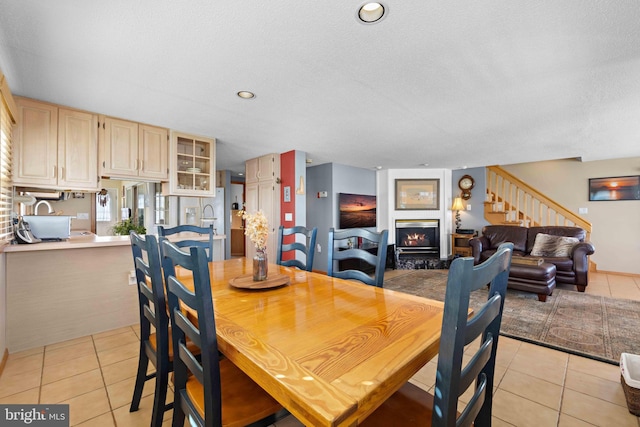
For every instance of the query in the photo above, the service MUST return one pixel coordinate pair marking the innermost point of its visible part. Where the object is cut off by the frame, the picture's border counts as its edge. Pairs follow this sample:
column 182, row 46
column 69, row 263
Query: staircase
column 511, row 201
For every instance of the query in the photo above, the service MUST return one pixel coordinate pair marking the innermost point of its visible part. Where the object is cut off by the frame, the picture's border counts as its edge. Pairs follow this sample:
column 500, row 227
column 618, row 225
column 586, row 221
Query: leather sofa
column 572, row 269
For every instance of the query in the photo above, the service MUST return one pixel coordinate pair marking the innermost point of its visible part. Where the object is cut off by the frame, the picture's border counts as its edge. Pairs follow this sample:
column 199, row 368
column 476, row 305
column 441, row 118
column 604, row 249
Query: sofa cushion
column 499, row 234
column 547, row 245
column 561, row 263
column 576, row 232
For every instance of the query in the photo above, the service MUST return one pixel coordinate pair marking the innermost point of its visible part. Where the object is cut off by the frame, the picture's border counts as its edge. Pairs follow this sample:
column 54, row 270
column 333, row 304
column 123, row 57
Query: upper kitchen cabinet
column 262, row 168
column 133, row 150
column 55, row 147
column 192, row 165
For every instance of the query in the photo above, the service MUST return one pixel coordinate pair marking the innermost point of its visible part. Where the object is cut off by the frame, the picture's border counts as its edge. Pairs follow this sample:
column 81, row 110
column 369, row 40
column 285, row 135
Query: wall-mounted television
column 357, row 210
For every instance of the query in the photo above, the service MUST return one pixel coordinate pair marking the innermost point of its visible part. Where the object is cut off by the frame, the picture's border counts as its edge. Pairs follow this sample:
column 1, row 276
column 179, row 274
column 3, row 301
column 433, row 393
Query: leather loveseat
column 569, row 265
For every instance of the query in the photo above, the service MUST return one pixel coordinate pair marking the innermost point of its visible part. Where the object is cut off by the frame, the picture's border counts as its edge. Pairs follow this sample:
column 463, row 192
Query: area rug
column 597, row 327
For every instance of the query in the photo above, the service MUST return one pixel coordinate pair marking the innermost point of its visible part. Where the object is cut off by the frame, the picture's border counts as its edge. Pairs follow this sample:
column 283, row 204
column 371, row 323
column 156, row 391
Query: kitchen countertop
column 79, row 240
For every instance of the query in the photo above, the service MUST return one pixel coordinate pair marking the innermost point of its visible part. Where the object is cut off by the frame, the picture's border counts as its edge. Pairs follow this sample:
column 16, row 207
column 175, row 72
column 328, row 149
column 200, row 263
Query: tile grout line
column 44, row 353
column 564, row 388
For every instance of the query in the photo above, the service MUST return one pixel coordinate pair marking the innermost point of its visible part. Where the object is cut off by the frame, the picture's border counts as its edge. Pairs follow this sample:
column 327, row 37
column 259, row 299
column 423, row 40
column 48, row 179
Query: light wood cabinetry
column 192, row 165
column 55, row 147
column 262, row 192
column 237, row 242
column 460, row 244
column 262, row 168
column 237, row 234
column 133, row 150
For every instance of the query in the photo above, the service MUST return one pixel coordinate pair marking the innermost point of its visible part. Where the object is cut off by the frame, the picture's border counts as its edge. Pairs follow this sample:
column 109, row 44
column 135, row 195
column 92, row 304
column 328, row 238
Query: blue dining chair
column 154, row 344
column 412, row 405
column 188, row 242
column 371, row 253
column 209, row 389
column 308, row 248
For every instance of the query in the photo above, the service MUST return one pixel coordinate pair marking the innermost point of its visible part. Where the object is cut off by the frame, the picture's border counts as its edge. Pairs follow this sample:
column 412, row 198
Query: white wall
column 387, row 214
column 616, row 224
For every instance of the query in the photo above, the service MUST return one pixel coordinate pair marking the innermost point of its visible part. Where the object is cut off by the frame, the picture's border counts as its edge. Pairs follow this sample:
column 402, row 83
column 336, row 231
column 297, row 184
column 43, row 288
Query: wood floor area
column 535, row 386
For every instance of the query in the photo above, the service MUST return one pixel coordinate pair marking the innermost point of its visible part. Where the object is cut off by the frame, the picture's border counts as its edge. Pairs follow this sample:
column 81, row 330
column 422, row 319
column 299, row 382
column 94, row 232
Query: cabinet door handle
column 55, row 171
column 63, row 174
column 141, row 165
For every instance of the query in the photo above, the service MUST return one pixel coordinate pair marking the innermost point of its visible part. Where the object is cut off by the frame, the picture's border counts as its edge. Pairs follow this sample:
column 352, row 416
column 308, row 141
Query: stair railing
column 512, row 201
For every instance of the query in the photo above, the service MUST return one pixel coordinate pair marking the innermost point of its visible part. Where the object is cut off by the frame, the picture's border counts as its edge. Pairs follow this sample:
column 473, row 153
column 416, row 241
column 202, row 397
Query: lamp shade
column 457, row 204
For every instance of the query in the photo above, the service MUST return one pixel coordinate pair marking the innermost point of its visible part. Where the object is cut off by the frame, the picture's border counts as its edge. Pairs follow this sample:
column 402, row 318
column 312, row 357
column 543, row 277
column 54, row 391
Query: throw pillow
column 553, row 246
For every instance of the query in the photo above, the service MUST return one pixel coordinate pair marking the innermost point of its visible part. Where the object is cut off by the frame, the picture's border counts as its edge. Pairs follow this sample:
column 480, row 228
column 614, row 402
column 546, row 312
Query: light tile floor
column 534, row 386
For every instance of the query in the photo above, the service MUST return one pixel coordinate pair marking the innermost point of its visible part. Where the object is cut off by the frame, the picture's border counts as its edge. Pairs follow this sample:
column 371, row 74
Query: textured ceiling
column 447, row 83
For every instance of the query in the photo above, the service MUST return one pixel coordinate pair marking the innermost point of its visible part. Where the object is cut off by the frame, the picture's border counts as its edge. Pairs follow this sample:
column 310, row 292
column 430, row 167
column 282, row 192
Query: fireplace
column 417, row 239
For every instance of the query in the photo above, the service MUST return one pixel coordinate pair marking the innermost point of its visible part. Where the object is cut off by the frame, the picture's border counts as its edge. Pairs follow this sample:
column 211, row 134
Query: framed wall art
column 417, row 194
column 614, row 188
column 357, row 210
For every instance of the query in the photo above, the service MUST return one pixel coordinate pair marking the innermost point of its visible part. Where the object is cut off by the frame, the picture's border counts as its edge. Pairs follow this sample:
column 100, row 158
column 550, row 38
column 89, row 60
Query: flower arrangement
column 256, row 227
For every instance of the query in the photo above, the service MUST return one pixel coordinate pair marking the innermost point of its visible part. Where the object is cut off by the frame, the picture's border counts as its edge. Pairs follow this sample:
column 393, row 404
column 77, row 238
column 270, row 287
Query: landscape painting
column 357, row 210
column 614, row 188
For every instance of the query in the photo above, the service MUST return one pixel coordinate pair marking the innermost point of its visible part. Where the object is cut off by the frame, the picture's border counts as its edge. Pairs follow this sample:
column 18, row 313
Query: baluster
column 517, row 204
column 540, row 212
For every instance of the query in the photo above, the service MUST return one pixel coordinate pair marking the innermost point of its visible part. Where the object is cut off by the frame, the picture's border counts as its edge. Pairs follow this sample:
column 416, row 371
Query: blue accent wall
column 323, row 212
column 473, row 218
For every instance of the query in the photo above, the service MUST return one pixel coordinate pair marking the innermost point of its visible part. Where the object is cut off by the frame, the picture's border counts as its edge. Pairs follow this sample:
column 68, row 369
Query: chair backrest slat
column 152, row 302
column 206, row 368
column 307, row 248
column 378, row 260
column 190, row 242
column 154, row 320
column 458, row 331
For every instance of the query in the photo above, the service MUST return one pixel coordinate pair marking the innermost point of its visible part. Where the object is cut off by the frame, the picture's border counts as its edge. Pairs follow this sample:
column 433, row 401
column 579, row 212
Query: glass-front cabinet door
column 193, row 165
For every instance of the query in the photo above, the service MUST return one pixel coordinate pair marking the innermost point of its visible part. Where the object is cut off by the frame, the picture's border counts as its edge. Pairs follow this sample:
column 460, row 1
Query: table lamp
column 457, row 206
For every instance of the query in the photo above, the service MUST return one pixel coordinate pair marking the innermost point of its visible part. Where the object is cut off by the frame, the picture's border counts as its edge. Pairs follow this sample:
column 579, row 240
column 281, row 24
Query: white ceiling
column 448, row 83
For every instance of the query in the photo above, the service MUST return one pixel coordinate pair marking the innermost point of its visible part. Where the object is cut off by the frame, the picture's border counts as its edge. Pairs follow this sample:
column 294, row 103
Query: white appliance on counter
column 49, row 227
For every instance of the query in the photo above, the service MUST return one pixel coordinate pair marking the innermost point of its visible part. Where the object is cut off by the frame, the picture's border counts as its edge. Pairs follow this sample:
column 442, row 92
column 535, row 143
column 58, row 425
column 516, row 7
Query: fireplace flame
column 414, row 239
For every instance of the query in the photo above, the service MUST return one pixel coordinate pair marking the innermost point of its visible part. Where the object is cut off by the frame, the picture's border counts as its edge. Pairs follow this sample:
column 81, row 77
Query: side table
column 460, row 244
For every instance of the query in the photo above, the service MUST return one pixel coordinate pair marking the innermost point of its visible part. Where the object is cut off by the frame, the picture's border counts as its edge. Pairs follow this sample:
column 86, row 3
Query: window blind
column 6, row 188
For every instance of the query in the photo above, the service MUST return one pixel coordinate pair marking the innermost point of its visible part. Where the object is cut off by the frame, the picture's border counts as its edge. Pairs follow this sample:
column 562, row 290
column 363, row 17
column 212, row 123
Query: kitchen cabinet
column 262, row 192
column 55, row 147
column 262, row 168
column 133, row 150
column 192, row 165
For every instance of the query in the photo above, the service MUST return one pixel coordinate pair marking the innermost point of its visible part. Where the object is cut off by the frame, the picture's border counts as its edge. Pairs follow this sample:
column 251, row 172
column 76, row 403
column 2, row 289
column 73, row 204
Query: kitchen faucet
column 204, row 211
column 208, row 218
column 43, row 202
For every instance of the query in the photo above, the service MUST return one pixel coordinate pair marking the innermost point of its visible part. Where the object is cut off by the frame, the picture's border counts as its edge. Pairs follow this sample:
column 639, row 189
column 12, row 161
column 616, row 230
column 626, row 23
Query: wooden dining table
column 329, row 350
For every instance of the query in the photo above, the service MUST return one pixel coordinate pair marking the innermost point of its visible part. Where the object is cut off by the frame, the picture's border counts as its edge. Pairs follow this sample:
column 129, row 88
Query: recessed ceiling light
column 371, row 12
column 378, row 167
column 246, row 94
column 240, row 174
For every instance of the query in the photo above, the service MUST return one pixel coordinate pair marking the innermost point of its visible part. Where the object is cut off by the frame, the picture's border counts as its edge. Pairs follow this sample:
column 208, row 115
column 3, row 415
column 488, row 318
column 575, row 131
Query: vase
column 260, row 266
